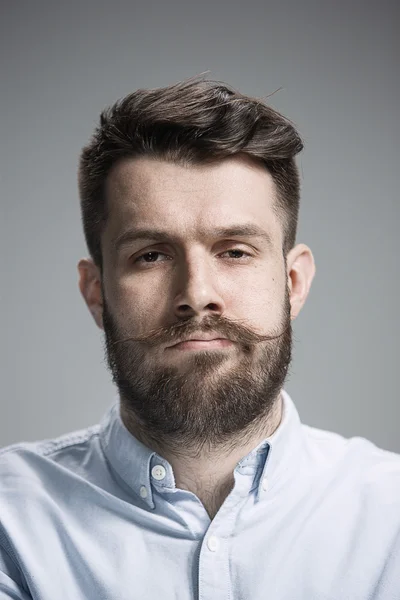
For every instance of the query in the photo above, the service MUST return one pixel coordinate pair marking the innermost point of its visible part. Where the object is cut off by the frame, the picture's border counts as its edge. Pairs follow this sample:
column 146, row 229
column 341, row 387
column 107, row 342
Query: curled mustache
column 181, row 330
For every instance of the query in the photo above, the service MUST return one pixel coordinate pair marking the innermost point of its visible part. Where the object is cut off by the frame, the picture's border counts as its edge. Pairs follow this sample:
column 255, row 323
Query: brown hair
column 195, row 121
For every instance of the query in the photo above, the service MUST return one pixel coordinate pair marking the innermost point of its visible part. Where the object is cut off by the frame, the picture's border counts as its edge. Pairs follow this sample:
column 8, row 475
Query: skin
column 201, row 410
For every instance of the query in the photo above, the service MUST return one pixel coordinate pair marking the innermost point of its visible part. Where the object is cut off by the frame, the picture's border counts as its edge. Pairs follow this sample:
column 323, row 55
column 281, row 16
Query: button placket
column 213, row 543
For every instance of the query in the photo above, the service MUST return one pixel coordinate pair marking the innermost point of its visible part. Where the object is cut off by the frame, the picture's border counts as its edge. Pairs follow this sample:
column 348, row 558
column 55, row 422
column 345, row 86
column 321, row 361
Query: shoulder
column 29, row 461
column 37, row 477
column 30, row 473
column 357, row 459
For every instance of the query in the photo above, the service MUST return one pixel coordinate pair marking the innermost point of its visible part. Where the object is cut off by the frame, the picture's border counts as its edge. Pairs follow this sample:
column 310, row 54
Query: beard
column 213, row 398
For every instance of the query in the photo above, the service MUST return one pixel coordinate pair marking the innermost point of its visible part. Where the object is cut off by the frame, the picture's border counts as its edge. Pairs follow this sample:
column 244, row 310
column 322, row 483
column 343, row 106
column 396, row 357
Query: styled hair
column 191, row 122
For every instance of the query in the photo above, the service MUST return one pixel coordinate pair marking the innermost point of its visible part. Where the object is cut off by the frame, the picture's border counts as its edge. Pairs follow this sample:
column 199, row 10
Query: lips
column 201, row 338
column 194, row 344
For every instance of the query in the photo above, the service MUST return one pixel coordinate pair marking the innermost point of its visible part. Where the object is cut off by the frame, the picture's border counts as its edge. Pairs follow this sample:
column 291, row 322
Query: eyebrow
column 248, row 230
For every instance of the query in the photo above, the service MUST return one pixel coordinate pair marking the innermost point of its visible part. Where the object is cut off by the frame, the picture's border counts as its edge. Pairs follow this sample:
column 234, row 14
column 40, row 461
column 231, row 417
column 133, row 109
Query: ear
column 300, row 272
column 90, row 287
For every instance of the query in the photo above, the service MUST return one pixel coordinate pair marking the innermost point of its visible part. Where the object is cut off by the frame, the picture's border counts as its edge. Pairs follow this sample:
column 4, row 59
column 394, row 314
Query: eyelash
column 137, row 259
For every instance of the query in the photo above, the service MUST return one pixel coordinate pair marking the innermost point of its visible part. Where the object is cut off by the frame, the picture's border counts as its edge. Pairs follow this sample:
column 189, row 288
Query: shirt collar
column 269, row 465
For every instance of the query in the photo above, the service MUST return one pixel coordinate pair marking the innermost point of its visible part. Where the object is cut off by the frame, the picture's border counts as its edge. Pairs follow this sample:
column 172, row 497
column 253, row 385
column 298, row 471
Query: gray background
column 62, row 63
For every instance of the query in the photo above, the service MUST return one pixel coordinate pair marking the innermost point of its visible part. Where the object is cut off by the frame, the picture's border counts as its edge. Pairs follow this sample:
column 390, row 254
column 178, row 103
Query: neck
column 208, row 472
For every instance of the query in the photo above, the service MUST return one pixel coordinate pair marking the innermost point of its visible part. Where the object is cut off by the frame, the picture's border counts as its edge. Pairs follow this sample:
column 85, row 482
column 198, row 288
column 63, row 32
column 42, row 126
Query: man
column 200, row 481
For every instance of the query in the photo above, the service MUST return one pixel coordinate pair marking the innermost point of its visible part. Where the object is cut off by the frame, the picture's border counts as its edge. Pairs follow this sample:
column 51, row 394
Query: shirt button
column 264, row 484
column 213, row 543
column 143, row 492
column 158, row 472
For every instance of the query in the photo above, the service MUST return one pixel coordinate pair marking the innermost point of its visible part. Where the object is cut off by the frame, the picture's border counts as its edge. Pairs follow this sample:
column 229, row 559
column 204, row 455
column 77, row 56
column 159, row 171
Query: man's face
column 157, row 292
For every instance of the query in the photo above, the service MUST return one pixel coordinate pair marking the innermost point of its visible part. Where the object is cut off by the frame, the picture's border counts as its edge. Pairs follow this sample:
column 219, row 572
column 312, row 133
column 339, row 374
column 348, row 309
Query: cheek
column 139, row 305
column 263, row 301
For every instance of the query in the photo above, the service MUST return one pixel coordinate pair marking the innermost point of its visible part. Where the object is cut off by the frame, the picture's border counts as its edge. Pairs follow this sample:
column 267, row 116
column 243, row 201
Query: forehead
column 153, row 192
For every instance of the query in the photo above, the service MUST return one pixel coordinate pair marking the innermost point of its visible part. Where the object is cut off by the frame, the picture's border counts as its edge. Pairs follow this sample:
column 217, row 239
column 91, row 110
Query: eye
column 147, row 254
column 154, row 253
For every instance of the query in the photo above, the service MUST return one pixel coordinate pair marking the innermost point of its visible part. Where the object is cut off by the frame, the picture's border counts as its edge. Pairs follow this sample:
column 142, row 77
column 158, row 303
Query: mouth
column 202, row 344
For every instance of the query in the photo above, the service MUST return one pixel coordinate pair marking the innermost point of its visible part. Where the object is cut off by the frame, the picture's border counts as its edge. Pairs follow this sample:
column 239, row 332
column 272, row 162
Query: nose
column 198, row 292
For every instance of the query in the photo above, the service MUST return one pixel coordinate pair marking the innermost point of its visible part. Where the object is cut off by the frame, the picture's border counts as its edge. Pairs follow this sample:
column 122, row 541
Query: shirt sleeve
column 10, row 580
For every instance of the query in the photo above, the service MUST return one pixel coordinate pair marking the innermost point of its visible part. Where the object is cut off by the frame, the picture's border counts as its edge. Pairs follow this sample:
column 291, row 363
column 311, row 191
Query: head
column 190, row 199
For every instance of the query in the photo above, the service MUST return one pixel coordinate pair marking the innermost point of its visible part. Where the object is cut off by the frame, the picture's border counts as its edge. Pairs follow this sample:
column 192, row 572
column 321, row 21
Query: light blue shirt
column 95, row 515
